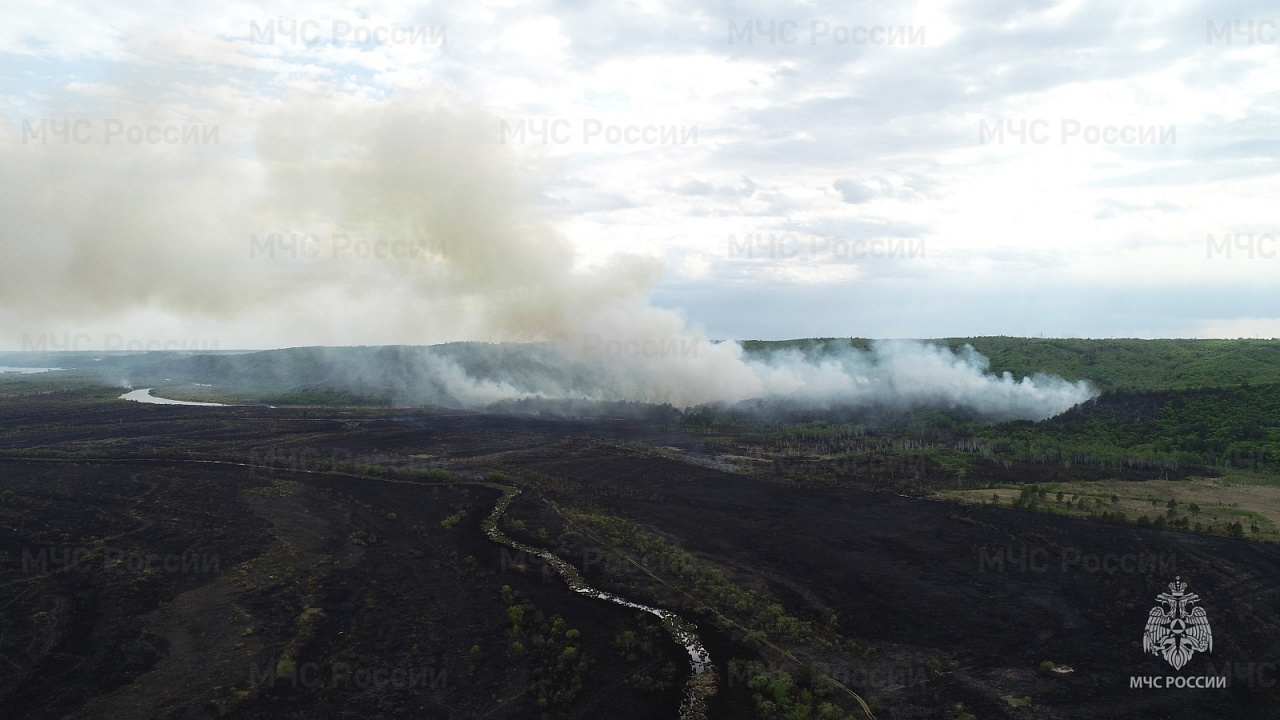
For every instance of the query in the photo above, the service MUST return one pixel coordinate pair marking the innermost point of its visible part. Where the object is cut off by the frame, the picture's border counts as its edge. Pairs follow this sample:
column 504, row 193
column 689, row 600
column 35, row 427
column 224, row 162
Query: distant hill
column 471, row 374
column 1110, row 364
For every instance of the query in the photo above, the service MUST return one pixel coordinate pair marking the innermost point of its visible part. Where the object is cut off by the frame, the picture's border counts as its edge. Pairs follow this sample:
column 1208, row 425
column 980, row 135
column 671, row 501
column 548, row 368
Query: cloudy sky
column 768, row 170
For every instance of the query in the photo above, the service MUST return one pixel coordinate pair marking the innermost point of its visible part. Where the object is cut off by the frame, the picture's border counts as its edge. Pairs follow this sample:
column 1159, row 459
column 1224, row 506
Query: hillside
column 1109, row 364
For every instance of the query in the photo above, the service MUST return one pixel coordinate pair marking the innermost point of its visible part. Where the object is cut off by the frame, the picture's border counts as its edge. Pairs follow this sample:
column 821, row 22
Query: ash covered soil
column 345, row 573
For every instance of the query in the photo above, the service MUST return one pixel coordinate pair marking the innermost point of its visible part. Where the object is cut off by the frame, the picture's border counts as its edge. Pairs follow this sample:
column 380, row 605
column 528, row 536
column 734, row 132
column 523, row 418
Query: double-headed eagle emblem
column 1175, row 629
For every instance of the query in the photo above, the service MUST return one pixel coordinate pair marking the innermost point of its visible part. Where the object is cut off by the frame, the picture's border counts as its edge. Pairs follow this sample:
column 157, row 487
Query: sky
column 250, row 175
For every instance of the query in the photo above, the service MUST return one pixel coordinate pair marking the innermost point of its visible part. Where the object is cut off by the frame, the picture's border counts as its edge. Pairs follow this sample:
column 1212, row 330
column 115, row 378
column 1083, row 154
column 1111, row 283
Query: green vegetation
column 559, row 668
column 1217, row 427
column 1227, row 427
column 1135, row 364
column 1108, row 364
column 1204, row 413
column 1236, row 504
column 44, row 384
column 781, row 695
column 1165, row 403
column 449, row 522
column 765, row 619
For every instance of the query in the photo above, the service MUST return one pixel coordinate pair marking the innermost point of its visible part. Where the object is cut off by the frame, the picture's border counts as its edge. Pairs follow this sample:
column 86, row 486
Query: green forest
column 1164, row 403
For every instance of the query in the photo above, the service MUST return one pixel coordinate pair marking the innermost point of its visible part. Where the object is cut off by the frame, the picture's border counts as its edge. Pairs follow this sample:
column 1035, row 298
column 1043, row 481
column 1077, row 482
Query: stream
column 702, row 683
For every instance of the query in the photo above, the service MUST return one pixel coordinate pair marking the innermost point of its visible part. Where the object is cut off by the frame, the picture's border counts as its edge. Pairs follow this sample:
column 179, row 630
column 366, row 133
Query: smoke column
column 183, row 231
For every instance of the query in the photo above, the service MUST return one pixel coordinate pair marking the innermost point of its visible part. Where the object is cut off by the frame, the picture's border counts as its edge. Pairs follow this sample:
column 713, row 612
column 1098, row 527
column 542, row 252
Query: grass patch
column 1250, row 499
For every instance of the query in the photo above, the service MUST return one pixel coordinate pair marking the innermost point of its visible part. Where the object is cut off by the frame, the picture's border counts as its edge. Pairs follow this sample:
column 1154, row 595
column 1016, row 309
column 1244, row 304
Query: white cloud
column 846, row 140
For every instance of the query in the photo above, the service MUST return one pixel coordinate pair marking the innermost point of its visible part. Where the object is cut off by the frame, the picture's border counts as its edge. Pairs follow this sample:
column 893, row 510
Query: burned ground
column 344, row 552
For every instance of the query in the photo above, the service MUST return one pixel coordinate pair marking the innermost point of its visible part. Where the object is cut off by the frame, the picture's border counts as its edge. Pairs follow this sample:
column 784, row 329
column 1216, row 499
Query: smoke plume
column 350, row 221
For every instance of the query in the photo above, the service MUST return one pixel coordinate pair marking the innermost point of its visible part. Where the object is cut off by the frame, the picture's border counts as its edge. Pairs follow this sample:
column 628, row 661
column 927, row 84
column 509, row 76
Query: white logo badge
column 1175, row 629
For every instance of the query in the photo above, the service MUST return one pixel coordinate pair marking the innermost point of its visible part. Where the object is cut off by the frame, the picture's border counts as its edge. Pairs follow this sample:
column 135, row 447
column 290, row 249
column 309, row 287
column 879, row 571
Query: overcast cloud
column 766, row 170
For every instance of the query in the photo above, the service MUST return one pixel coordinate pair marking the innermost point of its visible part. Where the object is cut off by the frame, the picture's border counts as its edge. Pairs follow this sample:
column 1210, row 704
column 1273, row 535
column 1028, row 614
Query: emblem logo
column 1175, row 629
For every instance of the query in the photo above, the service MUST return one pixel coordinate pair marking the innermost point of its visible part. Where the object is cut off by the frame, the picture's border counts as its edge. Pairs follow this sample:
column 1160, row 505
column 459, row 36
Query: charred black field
column 333, row 562
column 622, row 361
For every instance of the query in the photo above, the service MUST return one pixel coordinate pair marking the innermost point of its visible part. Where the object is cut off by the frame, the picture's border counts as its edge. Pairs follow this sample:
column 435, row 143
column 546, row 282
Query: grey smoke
column 895, row 376
column 94, row 233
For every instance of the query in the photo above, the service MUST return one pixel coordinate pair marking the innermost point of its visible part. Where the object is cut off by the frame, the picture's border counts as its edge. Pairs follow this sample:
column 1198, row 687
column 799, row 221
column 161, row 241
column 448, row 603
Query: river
column 144, row 396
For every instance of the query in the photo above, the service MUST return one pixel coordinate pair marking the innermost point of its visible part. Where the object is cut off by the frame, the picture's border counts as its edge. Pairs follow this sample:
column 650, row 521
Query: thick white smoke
column 97, row 232
column 905, row 374
column 898, row 375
